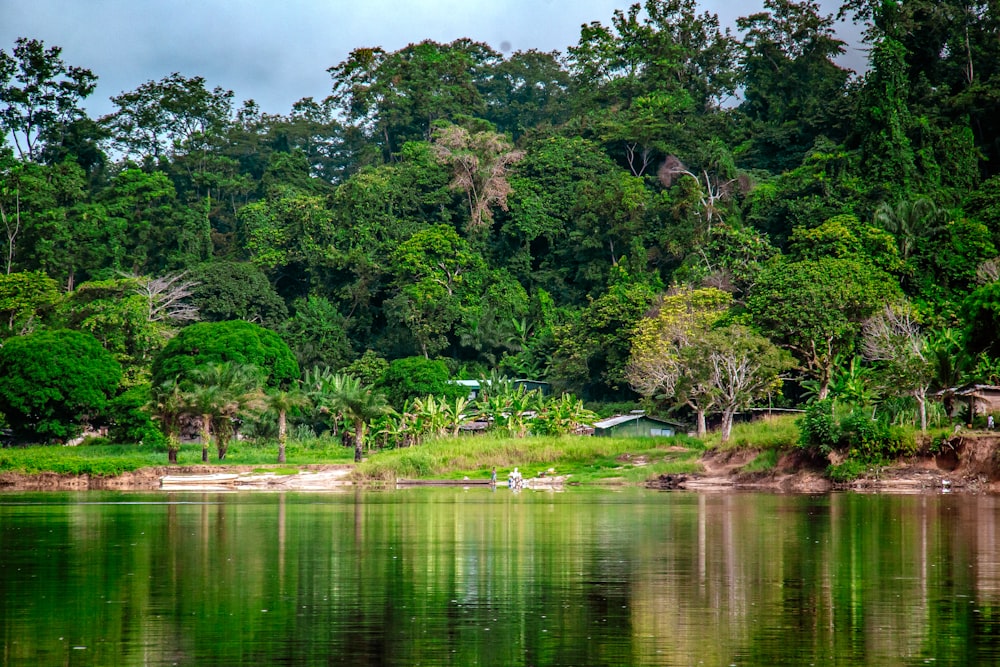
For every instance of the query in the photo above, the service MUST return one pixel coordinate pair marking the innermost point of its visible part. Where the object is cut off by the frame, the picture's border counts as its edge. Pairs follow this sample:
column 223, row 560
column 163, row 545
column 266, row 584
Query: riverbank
column 967, row 463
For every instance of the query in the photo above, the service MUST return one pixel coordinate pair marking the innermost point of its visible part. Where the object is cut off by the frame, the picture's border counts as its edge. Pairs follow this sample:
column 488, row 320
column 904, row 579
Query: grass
column 109, row 460
column 587, row 459
column 774, row 432
column 765, row 461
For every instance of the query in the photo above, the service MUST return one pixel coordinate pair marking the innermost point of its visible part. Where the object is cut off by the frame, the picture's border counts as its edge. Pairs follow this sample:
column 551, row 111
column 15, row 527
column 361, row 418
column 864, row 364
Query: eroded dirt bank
column 969, row 463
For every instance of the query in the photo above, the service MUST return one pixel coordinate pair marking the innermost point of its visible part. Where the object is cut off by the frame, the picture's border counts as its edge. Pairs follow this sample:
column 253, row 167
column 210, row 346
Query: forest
column 670, row 213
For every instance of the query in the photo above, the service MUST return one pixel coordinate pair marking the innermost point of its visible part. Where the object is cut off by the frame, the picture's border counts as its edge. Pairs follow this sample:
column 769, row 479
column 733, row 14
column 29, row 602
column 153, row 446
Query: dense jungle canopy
column 591, row 218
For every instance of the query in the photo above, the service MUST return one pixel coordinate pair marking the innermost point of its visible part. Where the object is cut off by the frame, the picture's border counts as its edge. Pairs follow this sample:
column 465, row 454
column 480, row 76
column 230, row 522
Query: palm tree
column 166, row 405
column 220, row 392
column 911, row 221
column 359, row 405
column 281, row 402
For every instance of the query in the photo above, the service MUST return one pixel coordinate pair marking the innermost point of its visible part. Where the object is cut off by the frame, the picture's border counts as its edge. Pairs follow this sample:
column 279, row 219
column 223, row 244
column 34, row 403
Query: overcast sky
column 277, row 52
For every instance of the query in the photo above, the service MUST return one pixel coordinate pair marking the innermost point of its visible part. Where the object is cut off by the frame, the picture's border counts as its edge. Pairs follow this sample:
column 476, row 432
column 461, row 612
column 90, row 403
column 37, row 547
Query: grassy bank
column 587, row 459
column 108, row 460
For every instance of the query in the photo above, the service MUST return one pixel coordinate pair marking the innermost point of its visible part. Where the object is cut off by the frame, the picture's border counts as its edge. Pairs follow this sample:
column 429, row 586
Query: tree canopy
column 524, row 212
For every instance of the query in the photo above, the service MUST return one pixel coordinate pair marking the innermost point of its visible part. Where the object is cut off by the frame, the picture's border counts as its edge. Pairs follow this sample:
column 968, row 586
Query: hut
column 983, row 399
column 636, row 425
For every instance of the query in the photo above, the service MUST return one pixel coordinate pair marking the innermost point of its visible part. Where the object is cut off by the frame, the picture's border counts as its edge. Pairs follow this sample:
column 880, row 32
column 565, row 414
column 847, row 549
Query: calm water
column 453, row 577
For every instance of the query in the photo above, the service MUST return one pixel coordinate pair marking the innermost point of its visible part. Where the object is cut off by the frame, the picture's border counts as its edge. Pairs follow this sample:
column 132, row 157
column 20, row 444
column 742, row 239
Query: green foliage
column 23, row 297
column 52, row 383
column 415, row 377
column 848, row 471
column 369, row 368
column 317, row 333
column 236, row 290
column 235, row 341
column 818, row 429
column 815, row 308
column 855, row 433
column 399, row 215
column 129, row 421
column 765, row 461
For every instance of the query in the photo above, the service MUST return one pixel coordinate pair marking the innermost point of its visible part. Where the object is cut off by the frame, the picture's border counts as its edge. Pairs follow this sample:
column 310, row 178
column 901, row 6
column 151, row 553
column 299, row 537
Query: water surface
column 470, row 577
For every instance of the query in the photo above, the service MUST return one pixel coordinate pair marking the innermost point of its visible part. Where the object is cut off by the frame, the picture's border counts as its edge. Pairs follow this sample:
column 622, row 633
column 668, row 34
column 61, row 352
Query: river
column 478, row 577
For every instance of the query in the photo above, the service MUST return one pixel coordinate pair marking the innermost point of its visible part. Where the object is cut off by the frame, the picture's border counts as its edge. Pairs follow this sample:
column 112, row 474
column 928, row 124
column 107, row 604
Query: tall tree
column 359, row 405
column 39, row 93
column 173, row 115
column 666, row 359
column 815, row 308
column 480, row 160
column 792, row 85
column 396, row 97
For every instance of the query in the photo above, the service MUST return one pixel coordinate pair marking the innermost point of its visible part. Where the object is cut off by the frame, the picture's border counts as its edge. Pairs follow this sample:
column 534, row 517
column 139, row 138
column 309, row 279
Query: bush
column 848, row 471
column 818, row 429
column 416, row 377
column 870, row 440
column 129, row 423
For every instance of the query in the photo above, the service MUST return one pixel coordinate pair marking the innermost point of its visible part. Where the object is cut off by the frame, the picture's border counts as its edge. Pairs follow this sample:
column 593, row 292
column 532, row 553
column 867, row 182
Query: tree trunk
column 206, row 436
column 727, row 424
column 702, row 429
column 359, row 439
column 282, row 435
column 922, row 402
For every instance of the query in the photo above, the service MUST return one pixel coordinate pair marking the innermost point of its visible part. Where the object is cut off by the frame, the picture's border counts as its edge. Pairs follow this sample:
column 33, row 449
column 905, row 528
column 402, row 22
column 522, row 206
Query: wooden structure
column 983, row 399
column 636, row 425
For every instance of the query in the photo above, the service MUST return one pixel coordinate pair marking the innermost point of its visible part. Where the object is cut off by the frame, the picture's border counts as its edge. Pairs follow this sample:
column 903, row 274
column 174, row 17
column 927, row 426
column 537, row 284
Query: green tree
column 816, row 308
column 438, row 278
column 161, row 118
column 592, row 349
column 38, row 93
column 53, row 383
column 317, row 332
column 666, row 360
column 167, row 405
column 220, row 392
column 893, row 337
column 23, row 297
column 792, row 87
column 236, row 290
column 396, row 97
column 415, row 377
column 233, row 341
column 359, row 406
column 281, row 403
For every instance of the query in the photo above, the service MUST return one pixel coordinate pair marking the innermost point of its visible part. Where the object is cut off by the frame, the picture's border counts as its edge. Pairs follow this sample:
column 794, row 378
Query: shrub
column 818, row 429
column 870, row 440
column 848, row 471
column 129, row 422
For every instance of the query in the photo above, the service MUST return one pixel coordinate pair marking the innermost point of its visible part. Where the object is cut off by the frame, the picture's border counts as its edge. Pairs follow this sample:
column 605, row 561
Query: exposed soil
column 968, row 462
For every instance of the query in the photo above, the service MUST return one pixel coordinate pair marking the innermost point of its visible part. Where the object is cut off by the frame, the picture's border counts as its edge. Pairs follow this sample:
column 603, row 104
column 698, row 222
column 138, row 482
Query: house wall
column 637, row 428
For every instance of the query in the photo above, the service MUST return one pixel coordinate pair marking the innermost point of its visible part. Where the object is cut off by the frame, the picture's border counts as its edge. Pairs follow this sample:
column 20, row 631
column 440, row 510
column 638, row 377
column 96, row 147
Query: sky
column 277, row 51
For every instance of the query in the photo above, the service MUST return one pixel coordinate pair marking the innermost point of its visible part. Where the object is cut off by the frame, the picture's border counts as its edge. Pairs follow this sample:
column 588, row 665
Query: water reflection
column 441, row 576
